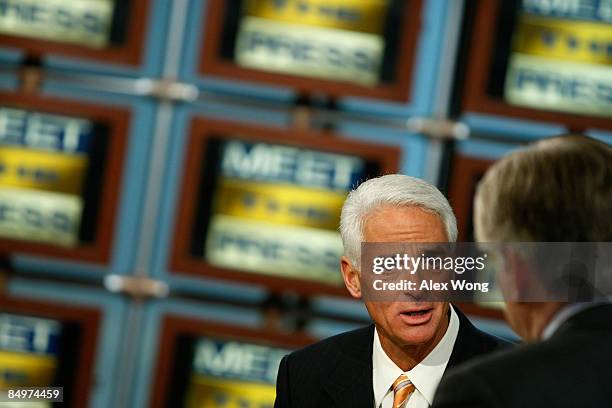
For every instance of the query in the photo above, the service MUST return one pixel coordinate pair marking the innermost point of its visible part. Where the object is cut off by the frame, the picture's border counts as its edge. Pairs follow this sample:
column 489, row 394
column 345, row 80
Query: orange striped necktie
column 402, row 388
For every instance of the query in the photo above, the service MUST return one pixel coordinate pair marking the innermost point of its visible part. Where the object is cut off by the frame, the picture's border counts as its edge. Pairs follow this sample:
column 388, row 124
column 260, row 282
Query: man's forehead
column 403, row 224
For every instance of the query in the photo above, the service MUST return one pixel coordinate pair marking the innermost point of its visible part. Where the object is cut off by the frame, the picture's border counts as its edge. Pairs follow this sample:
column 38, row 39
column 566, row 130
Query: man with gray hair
column 557, row 190
column 399, row 360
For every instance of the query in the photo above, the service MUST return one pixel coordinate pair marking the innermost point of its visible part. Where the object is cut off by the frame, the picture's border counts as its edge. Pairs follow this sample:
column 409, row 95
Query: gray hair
column 558, row 189
column 393, row 190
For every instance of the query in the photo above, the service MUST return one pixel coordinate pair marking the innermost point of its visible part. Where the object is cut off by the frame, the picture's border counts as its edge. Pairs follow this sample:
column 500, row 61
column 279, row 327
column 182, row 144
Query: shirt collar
column 563, row 315
column 425, row 376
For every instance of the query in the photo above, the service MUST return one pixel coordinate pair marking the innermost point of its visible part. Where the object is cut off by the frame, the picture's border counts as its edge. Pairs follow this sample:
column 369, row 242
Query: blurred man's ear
column 351, row 277
column 519, row 276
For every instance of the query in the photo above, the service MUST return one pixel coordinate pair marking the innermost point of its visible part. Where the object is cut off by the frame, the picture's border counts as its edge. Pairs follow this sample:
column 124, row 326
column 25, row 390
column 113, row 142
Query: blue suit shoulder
column 327, row 351
column 531, row 375
column 303, row 374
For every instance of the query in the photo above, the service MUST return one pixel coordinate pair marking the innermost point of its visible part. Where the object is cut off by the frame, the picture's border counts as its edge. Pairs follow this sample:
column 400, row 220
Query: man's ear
column 351, row 277
column 519, row 272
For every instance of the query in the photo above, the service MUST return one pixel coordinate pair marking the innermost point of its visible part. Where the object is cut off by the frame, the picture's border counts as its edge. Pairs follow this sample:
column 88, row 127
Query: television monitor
column 207, row 365
column 263, row 205
column 56, row 167
column 341, row 48
column 104, row 29
column 47, row 345
column 541, row 60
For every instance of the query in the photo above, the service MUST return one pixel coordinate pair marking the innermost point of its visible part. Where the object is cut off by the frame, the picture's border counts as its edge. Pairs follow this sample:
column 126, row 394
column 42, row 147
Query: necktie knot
column 402, row 388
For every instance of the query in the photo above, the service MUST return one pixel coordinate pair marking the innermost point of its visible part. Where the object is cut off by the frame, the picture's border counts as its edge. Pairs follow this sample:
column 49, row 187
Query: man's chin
column 416, row 336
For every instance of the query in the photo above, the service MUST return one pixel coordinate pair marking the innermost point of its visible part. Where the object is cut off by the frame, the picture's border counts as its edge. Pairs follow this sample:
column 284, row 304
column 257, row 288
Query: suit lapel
column 469, row 343
column 349, row 384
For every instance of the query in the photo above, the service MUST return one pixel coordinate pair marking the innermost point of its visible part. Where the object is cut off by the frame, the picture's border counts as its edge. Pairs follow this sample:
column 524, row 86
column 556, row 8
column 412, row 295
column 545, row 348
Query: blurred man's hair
column 558, row 189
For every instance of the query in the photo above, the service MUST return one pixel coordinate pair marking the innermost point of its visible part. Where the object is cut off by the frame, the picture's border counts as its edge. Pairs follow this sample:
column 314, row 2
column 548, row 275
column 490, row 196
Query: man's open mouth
column 416, row 317
column 417, row 313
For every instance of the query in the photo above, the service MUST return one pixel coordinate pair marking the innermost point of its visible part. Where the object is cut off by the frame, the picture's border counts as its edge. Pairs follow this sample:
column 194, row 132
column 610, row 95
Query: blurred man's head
column 557, row 190
column 397, row 208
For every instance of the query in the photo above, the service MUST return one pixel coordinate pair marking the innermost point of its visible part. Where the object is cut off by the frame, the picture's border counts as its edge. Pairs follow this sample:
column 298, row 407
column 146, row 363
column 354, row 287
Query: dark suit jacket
column 337, row 372
column 572, row 369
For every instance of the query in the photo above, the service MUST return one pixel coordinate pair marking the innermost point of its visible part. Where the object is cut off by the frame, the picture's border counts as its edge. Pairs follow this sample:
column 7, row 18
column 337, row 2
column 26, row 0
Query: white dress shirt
column 425, row 376
column 564, row 314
